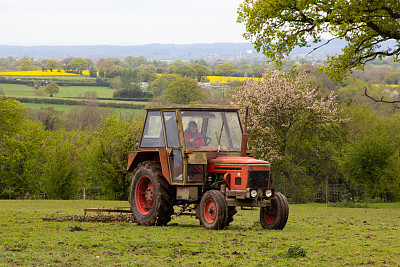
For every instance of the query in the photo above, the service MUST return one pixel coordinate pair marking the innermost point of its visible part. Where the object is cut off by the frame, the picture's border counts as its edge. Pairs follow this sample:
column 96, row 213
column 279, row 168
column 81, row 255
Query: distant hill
column 225, row 51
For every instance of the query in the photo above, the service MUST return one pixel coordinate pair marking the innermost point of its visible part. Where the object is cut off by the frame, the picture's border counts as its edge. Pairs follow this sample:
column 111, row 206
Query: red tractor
column 197, row 158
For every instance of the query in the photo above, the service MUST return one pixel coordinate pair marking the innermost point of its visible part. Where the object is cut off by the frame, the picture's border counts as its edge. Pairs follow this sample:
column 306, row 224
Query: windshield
column 211, row 130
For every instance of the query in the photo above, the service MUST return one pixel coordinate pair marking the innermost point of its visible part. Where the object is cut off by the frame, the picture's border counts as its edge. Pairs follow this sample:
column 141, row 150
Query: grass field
column 67, row 108
column 65, row 91
column 17, row 90
column 316, row 235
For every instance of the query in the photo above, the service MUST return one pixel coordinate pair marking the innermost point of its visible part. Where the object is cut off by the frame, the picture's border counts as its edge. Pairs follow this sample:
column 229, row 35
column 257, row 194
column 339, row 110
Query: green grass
column 316, row 235
column 64, row 108
column 79, row 91
column 65, row 91
column 67, row 108
column 17, row 89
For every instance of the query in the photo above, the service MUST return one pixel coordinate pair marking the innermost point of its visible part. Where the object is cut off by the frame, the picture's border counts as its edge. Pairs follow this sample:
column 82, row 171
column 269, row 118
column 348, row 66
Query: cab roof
column 194, row 107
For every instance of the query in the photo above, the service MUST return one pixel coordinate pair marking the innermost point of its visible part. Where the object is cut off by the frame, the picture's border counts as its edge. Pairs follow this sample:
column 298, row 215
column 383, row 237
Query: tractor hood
column 237, row 161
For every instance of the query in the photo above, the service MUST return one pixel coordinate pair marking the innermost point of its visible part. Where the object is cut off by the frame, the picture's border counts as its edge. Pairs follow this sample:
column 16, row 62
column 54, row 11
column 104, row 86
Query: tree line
column 48, row 153
column 312, row 134
column 88, row 152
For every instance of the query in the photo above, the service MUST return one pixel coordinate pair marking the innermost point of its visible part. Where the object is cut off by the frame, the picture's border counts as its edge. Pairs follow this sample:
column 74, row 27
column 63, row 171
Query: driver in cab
column 193, row 138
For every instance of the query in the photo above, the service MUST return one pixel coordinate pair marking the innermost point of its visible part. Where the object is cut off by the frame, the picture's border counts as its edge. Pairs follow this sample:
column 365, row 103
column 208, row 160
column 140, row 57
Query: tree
column 25, row 64
column 201, row 71
column 134, row 62
column 50, row 117
column 107, row 156
column 226, row 69
column 21, row 157
column 369, row 157
column 288, row 124
column 392, row 77
column 63, row 156
column 52, row 64
column 277, row 27
column 147, row 73
column 160, row 85
column 93, row 72
column 52, row 89
column 78, row 65
column 186, row 71
column 12, row 114
column 185, row 91
column 106, row 67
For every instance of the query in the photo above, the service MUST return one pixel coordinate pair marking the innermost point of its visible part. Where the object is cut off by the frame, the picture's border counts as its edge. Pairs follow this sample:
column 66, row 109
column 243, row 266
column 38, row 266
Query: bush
column 102, row 81
column 40, row 93
column 128, row 93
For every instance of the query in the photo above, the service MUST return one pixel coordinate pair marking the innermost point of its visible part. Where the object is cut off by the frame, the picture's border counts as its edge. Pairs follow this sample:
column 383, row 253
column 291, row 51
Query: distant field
column 64, row 108
column 79, row 91
column 315, row 235
column 65, row 91
column 42, row 73
column 17, row 89
column 67, row 108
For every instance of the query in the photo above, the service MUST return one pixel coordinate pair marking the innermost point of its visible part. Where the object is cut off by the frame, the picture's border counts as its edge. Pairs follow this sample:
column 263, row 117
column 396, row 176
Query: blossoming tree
column 287, row 120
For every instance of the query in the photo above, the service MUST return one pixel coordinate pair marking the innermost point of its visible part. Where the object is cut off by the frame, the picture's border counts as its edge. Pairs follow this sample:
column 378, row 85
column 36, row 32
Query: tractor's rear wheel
column 275, row 217
column 213, row 210
column 151, row 196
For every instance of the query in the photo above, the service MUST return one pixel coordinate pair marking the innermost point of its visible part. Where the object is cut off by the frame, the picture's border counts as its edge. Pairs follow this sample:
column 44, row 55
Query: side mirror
column 136, row 145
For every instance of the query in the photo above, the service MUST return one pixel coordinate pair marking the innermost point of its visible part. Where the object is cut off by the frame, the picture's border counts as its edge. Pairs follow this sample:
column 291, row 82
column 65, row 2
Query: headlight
column 268, row 193
column 253, row 193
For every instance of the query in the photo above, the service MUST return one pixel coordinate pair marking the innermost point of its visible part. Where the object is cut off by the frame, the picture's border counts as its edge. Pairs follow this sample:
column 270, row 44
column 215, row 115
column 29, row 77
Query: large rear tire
column 275, row 217
column 151, row 196
column 213, row 210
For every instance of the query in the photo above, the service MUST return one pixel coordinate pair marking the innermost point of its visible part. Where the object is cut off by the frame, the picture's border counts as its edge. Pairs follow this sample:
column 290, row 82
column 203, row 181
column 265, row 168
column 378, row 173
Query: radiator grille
column 258, row 179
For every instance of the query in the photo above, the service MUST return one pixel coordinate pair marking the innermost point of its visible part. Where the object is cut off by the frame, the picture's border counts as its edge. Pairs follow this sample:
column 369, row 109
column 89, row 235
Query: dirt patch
column 96, row 218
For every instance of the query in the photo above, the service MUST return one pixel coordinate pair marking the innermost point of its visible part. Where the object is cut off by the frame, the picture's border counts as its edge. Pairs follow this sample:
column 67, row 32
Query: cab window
column 153, row 133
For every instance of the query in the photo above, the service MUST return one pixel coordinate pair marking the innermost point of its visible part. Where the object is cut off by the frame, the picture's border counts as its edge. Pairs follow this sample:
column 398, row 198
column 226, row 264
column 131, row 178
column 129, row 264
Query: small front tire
column 275, row 217
column 213, row 210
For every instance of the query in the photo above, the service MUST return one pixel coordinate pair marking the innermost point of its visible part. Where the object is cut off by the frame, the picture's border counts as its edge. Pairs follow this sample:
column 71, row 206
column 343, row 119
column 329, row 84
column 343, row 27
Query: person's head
column 192, row 126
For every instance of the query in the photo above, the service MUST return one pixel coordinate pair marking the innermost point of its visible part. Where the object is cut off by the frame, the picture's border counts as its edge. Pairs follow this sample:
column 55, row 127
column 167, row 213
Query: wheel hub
column 211, row 211
column 144, row 195
column 149, row 194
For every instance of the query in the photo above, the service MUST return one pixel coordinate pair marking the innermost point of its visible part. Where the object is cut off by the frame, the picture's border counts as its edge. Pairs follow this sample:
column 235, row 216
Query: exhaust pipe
column 244, row 136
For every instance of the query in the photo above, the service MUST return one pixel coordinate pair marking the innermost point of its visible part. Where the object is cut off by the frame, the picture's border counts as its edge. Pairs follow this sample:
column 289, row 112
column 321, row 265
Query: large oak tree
column 276, row 27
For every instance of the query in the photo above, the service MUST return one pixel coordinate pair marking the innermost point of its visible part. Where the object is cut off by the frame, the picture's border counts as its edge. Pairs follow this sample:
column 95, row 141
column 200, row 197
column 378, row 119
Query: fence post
column 327, row 190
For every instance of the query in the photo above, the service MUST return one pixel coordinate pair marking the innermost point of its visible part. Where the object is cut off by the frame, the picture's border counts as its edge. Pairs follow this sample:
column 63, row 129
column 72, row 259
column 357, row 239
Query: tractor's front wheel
column 275, row 217
column 213, row 211
column 151, row 196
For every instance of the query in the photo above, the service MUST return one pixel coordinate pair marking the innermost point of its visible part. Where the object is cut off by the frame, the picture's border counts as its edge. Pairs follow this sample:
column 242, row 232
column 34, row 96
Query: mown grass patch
column 67, row 108
column 315, row 235
column 13, row 90
column 79, row 91
column 65, row 91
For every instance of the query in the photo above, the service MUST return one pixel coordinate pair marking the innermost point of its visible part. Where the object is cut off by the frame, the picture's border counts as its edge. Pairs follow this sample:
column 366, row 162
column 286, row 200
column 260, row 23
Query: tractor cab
column 184, row 139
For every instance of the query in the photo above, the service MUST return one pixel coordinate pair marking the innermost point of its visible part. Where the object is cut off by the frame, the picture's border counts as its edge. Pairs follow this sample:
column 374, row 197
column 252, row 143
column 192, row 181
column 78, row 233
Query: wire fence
column 319, row 194
column 329, row 194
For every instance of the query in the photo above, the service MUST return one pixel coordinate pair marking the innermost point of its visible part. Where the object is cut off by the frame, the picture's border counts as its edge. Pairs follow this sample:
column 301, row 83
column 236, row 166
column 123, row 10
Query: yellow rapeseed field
column 41, row 73
column 223, row 79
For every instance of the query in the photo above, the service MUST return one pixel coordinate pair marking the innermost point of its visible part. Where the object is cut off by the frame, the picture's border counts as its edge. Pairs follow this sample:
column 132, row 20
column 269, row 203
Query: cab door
column 173, row 146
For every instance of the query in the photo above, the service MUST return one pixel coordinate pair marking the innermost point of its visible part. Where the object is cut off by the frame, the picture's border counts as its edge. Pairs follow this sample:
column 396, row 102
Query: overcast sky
column 118, row 22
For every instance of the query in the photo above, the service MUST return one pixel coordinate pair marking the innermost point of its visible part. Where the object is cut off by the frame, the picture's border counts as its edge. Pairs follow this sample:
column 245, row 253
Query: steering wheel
column 207, row 141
